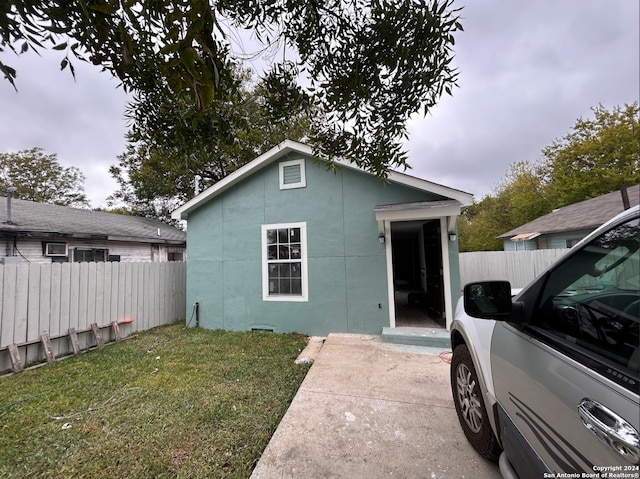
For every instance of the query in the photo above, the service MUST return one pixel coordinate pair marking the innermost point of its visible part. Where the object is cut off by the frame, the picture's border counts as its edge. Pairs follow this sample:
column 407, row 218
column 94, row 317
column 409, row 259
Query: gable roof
column 585, row 215
column 289, row 146
column 45, row 220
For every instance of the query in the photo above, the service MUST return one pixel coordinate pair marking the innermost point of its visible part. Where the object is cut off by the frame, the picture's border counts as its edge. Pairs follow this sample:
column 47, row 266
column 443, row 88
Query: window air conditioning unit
column 55, row 249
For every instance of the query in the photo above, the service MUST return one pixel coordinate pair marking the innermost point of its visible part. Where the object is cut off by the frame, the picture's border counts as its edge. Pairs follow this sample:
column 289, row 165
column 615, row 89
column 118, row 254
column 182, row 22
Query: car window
column 591, row 301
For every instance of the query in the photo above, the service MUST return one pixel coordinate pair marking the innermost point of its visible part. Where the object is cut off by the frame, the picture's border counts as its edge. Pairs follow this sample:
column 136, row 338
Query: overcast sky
column 528, row 70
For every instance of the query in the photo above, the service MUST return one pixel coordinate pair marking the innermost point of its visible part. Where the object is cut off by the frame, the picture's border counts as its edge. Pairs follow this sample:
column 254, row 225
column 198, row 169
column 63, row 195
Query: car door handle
column 611, row 429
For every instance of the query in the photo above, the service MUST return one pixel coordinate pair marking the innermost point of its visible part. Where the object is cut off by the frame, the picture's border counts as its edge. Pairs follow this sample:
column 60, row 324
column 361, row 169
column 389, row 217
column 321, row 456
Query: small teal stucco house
column 283, row 244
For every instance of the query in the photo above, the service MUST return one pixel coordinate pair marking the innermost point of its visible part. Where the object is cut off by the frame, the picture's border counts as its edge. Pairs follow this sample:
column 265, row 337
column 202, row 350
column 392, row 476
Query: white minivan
column 547, row 382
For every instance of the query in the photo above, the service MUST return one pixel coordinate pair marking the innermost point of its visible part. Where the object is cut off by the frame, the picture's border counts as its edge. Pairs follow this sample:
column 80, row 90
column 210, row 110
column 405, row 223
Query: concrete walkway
column 369, row 409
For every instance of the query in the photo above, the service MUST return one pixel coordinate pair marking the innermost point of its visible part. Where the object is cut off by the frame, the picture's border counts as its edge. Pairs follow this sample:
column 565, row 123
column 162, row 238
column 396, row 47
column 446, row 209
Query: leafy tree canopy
column 519, row 199
column 372, row 64
column 170, row 151
column 597, row 157
column 39, row 177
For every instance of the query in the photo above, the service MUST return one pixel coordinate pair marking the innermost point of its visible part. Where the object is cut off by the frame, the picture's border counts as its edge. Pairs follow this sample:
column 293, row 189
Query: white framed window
column 90, row 255
column 55, row 249
column 292, row 174
column 284, row 262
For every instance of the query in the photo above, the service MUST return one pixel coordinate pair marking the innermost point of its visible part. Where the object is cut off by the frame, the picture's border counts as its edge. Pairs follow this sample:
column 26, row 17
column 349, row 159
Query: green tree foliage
column 476, row 227
column 39, row 177
column 170, row 149
column 372, row 64
column 597, row 157
column 519, row 199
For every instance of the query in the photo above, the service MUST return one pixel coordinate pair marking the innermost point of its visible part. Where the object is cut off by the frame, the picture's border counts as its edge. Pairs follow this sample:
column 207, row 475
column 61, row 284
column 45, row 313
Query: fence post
column 48, row 349
column 97, row 335
column 116, row 330
column 73, row 338
column 14, row 354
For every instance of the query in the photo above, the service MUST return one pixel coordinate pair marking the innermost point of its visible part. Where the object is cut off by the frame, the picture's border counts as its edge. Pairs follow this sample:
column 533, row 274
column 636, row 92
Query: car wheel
column 469, row 404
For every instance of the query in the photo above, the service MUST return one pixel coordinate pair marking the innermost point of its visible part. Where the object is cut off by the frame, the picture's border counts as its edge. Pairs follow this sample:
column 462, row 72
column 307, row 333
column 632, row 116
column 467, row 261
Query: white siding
column 519, row 245
column 31, row 250
column 559, row 240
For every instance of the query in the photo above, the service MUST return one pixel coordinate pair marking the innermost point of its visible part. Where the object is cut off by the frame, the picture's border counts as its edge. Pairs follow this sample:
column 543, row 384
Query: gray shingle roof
column 588, row 214
column 52, row 220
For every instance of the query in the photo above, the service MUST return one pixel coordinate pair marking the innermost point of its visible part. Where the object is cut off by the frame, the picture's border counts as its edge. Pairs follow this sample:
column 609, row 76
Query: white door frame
column 412, row 212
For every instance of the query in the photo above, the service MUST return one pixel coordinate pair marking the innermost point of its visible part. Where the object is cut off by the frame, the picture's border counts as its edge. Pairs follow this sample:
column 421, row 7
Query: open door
column 418, row 274
column 427, row 228
column 434, row 269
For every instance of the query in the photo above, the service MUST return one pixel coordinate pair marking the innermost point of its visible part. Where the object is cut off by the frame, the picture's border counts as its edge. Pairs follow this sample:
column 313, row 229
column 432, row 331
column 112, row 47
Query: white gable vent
column 292, row 174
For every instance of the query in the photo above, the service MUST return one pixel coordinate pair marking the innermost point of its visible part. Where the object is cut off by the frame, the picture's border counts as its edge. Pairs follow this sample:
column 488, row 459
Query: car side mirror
column 488, row 300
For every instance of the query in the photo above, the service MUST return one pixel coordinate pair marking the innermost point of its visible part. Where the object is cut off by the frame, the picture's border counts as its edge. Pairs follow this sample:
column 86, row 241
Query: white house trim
column 237, row 176
column 391, row 294
column 418, row 211
column 300, row 163
column 288, row 146
column 446, row 273
column 304, row 296
column 445, row 211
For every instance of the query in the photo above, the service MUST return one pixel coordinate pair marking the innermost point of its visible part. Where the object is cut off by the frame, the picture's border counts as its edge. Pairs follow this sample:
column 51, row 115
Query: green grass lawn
column 171, row 402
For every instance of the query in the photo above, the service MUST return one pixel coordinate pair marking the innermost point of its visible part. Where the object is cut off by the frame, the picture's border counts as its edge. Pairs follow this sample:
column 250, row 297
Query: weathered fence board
column 65, row 297
column 7, row 324
column 51, row 299
column 54, row 304
column 517, row 267
column 21, row 308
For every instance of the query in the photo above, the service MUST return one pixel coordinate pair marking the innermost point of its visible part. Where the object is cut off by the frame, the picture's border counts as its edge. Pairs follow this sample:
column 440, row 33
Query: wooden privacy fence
column 517, row 267
column 48, row 310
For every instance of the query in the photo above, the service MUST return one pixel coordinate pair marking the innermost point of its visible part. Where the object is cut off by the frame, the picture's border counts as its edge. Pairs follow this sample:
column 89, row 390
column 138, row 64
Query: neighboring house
column 283, row 244
column 43, row 233
column 564, row 227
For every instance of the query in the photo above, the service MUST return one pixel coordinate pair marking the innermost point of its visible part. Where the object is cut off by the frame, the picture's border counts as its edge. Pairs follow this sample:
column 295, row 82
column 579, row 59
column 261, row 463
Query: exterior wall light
column 453, row 236
column 381, row 238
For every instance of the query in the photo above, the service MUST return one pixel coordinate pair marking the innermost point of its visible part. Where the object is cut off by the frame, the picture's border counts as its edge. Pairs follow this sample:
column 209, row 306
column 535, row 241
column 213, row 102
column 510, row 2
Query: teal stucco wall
column 347, row 277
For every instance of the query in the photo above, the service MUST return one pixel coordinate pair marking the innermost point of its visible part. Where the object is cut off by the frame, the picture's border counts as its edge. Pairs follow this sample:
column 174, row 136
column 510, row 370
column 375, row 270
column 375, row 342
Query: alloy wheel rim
column 468, row 401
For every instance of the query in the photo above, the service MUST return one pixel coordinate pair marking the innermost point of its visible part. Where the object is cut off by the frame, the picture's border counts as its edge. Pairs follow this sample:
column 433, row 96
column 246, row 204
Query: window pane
column 296, row 270
column 592, row 299
column 272, row 236
column 89, row 255
column 170, row 257
column 273, row 271
column 272, row 251
column 296, row 252
column 285, row 286
column 273, row 286
column 295, row 235
column 285, row 270
column 296, row 286
column 283, row 252
column 283, row 235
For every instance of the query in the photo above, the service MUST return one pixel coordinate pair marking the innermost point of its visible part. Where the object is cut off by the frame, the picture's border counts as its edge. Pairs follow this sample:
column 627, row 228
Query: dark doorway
column 417, row 274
